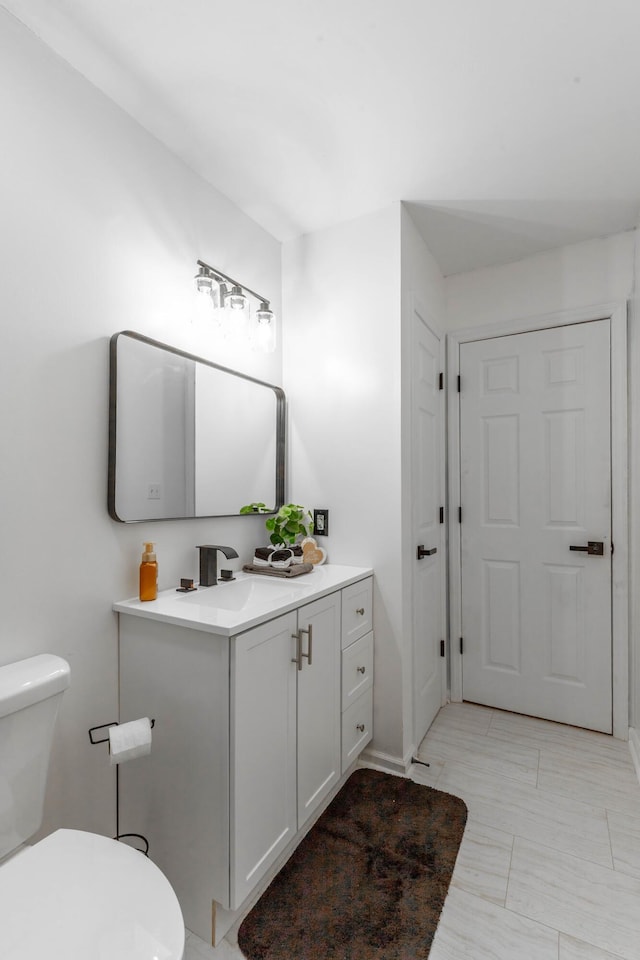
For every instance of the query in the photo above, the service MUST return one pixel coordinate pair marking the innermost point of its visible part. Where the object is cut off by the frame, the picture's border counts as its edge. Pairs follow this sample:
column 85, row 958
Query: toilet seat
column 80, row 896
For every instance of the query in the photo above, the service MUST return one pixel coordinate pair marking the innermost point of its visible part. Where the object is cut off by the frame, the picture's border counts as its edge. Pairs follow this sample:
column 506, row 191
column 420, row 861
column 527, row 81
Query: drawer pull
column 361, row 669
column 360, row 727
column 360, row 610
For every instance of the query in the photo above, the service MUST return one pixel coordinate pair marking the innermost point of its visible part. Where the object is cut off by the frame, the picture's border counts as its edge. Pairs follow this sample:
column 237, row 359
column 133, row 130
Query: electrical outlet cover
column 321, row 523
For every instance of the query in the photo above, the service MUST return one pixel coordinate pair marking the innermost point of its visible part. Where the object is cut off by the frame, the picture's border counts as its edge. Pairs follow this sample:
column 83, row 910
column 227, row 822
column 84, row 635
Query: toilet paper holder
column 95, row 739
column 105, row 726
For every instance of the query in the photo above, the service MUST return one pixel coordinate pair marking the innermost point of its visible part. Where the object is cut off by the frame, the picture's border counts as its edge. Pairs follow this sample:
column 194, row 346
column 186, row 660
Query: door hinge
column 441, row 381
column 459, row 514
column 461, row 645
column 612, row 549
column 442, row 648
column 441, row 514
column 459, row 382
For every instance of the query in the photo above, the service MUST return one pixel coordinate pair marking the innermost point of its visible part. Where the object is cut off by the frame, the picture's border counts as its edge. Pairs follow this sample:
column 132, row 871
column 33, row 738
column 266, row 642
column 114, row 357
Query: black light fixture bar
column 218, row 275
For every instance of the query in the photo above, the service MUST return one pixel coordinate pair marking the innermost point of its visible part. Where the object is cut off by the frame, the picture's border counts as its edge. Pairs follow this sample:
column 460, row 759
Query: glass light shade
column 233, row 324
column 236, row 299
column 264, row 314
column 203, row 307
column 263, row 335
column 204, row 281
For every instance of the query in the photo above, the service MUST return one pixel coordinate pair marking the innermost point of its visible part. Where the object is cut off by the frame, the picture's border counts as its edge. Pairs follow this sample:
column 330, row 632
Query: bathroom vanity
column 261, row 691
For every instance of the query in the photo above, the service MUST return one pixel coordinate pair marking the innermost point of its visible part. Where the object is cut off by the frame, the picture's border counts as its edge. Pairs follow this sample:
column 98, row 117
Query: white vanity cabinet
column 249, row 742
column 285, row 734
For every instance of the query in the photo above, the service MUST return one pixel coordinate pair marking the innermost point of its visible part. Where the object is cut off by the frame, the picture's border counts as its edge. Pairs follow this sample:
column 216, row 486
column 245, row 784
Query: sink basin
column 244, row 595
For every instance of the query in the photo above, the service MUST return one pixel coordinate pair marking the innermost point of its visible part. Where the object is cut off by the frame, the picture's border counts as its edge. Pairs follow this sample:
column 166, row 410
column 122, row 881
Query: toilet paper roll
column 130, row 740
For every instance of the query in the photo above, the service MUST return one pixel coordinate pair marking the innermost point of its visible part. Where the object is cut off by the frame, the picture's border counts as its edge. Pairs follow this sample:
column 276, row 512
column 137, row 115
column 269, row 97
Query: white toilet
column 73, row 895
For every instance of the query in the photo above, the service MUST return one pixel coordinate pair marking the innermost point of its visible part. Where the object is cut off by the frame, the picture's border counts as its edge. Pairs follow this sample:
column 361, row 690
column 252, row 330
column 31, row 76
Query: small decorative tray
column 295, row 570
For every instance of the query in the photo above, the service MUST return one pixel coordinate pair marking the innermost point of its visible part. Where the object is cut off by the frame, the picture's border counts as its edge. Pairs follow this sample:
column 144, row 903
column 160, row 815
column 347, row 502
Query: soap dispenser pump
column 148, row 573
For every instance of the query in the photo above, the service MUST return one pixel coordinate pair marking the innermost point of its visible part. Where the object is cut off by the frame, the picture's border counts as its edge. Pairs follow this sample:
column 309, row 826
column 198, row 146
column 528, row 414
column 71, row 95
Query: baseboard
column 386, row 762
column 634, row 749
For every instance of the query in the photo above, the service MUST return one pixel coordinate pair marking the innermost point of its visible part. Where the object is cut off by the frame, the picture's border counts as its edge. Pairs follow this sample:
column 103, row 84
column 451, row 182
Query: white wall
column 596, row 271
column 593, row 272
column 101, row 228
column 341, row 356
column 343, row 291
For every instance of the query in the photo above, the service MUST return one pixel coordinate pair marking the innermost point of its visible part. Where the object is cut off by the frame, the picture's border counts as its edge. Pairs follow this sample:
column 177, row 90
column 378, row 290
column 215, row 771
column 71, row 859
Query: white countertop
column 250, row 599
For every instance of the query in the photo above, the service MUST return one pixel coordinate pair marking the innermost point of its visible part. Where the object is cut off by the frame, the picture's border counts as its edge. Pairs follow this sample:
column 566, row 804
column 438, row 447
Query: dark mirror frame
column 280, row 425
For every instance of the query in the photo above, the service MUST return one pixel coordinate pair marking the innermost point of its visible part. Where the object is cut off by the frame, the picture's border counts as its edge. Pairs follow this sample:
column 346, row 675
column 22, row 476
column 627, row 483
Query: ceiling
column 508, row 126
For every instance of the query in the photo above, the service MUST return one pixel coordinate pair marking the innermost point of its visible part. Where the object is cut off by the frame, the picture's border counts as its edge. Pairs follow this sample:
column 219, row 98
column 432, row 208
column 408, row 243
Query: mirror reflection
column 187, row 437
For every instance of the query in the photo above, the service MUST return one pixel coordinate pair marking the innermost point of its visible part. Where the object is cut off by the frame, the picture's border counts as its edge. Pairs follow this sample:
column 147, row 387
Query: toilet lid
column 80, row 896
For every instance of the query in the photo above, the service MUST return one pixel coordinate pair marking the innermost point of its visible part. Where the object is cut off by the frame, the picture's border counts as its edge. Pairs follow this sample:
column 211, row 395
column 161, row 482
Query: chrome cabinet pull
column 360, row 610
column 309, row 631
column 360, row 727
column 298, row 657
column 361, row 669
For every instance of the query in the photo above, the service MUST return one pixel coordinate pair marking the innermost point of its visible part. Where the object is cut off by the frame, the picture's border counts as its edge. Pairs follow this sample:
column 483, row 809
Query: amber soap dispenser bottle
column 149, row 573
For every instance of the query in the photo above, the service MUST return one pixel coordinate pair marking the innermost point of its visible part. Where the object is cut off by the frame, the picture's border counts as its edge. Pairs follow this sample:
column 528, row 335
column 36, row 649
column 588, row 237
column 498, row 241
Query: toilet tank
column 30, row 692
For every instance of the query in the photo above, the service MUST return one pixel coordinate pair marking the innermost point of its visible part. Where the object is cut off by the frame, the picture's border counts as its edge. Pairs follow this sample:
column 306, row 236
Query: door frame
column 616, row 312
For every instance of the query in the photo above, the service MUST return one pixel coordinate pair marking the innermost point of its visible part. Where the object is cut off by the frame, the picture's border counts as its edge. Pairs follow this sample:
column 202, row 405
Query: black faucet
column 209, row 562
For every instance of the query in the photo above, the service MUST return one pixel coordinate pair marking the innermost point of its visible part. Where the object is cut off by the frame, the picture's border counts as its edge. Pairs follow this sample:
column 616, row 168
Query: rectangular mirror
column 189, row 438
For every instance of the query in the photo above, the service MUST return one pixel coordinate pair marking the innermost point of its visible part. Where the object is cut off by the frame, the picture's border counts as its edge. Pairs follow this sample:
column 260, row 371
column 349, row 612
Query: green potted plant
column 290, row 523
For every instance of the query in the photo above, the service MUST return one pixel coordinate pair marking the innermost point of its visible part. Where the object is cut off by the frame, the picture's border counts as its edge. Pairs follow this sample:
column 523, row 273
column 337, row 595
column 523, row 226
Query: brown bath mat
column 369, row 880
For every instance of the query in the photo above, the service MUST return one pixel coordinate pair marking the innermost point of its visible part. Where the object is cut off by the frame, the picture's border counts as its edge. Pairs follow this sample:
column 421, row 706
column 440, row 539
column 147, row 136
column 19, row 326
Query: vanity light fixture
column 229, row 295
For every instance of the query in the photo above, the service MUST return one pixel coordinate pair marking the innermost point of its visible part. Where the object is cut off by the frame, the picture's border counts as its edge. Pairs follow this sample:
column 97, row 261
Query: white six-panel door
column 427, row 498
column 535, row 459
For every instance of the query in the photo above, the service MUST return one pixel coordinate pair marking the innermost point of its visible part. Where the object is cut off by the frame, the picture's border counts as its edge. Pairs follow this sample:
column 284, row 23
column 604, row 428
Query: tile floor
column 549, row 867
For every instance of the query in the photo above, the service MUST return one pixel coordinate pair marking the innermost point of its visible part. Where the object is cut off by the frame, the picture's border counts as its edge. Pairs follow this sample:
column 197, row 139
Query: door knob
column 594, row 548
column 421, row 552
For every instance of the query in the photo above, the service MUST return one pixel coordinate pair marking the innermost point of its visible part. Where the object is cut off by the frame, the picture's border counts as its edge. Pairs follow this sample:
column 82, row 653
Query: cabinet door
column 263, row 750
column 318, row 704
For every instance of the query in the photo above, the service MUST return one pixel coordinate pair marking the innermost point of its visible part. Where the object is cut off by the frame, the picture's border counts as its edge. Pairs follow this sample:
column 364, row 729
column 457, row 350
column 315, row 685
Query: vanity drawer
column 357, row 611
column 357, row 669
column 357, row 723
